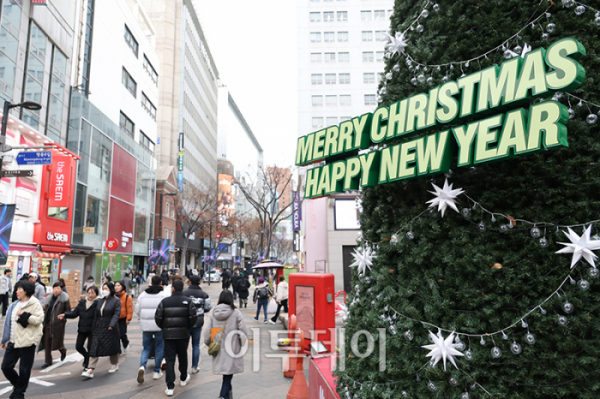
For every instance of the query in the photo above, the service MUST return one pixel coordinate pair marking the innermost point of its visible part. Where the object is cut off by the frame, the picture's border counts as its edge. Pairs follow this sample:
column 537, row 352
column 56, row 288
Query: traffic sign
column 16, row 173
column 34, row 158
column 112, row 244
column 218, row 235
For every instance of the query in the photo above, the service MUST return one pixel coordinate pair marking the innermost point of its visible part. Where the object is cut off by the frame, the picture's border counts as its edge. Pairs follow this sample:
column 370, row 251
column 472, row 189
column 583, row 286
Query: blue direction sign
column 34, row 158
column 180, row 180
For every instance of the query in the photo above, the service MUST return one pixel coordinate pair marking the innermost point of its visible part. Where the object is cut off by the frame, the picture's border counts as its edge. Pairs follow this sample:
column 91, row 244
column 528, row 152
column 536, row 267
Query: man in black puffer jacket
column 176, row 316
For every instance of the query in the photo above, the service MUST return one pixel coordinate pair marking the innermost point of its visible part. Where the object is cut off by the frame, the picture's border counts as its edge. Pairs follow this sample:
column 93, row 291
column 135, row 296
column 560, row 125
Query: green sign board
column 357, row 153
column 180, row 161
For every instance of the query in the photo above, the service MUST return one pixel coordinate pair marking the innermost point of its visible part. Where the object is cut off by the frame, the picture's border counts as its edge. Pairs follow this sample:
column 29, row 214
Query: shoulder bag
column 214, row 347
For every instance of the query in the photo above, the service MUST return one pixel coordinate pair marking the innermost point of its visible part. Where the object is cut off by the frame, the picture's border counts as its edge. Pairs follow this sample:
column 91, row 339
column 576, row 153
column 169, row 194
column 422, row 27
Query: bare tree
column 265, row 195
column 282, row 247
column 250, row 231
column 196, row 209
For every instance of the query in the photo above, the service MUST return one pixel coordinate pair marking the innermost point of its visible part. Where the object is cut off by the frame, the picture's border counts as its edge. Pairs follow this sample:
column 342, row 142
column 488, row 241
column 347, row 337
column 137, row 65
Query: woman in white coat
column 282, row 298
column 232, row 335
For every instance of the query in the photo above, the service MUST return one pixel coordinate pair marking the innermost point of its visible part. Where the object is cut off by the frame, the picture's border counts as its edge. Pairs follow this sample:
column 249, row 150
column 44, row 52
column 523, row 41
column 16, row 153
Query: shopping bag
column 272, row 306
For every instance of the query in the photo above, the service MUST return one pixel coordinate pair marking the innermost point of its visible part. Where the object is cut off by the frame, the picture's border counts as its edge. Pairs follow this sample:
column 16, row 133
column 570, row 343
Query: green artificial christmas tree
column 527, row 320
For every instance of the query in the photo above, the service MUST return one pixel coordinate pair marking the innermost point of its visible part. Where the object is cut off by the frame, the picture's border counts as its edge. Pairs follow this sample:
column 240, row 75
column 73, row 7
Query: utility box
column 312, row 300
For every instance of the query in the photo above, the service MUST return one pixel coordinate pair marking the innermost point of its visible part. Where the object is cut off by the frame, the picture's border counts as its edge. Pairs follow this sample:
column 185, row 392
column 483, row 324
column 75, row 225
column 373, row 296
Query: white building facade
column 341, row 48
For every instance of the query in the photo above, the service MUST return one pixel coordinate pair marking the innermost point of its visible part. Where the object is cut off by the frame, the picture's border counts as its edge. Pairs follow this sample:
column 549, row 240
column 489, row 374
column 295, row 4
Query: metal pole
column 160, row 207
column 209, row 247
column 4, row 124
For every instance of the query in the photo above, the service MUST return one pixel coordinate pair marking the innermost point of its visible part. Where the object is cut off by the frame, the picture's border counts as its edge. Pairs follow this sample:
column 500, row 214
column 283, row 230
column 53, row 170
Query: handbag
column 215, row 347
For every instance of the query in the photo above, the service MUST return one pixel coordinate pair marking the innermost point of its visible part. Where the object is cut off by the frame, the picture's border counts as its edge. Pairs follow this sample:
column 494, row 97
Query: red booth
column 311, row 299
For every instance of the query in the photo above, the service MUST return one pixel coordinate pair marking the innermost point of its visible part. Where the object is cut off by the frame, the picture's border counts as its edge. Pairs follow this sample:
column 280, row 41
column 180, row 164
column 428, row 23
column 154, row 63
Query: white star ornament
column 580, row 246
column 445, row 197
column 442, row 349
column 397, row 43
column 362, row 260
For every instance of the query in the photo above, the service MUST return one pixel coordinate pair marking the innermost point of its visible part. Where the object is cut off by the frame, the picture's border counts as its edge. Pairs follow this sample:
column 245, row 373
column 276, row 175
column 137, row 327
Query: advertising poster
column 226, row 195
column 7, row 214
column 305, row 309
column 296, row 210
column 20, row 267
column 158, row 252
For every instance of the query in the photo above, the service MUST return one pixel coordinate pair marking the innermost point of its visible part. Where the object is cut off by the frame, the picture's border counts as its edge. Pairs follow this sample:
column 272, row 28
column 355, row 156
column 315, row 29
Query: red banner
column 60, row 186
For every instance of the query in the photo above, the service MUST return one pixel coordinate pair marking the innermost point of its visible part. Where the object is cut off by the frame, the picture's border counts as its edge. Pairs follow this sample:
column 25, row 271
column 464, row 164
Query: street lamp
column 33, row 106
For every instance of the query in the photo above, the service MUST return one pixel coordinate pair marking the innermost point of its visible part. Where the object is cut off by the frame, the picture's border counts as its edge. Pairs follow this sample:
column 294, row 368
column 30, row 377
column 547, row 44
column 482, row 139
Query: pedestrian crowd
column 170, row 315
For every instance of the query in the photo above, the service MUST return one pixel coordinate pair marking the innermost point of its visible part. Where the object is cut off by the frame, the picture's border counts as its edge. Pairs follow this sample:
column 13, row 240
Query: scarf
column 88, row 303
column 154, row 289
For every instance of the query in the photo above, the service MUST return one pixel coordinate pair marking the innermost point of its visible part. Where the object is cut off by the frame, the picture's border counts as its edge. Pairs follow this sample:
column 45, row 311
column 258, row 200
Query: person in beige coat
column 232, row 337
column 22, row 333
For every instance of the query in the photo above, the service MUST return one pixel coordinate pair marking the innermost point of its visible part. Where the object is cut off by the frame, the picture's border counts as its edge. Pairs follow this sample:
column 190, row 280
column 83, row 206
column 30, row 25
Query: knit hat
column 261, row 280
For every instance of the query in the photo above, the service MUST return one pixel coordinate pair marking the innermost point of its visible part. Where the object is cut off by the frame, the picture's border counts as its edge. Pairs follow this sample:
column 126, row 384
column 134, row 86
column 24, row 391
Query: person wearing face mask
column 54, row 328
column 105, row 331
column 126, row 312
column 85, row 310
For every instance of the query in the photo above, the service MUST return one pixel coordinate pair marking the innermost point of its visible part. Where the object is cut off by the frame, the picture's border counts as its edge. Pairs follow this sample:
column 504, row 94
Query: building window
column 150, row 69
column 344, row 78
column 367, row 36
column 315, row 17
column 166, row 234
column 129, row 83
column 380, row 36
column 342, row 36
column 329, row 37
column 342, row 16
column 146, row 143
column 330, row 79
column 331, row 120
column 331, row 101
column 344, row 118
column 315, row 37
column 9, row 48
column 345, row 99
column 317, row 101
column 131, row 42
column 317, row 122
column 315, row 57
column 57, row 95
column 87, row 51
column 368, row 77
column 370, row 99
column 329, row 57
column 36, row 59
column 328, row 16
column 379, row 15
column 344, row 57
column 172, row 232
column 316, row 79
column 367, row 56
column 379, row 56
column 168, row 207
column 366, row 16
column 148, row 106
column 126, row 124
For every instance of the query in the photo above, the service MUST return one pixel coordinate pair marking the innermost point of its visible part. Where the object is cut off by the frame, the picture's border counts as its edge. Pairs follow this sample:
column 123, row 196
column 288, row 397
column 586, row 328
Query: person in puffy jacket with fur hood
column 23, row 330
column 145, row 308
column 176, row 315
column 232, row 337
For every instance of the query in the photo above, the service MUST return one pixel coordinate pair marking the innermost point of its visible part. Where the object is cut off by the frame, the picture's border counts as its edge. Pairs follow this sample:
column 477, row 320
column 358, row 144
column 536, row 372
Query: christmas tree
column 483, row 279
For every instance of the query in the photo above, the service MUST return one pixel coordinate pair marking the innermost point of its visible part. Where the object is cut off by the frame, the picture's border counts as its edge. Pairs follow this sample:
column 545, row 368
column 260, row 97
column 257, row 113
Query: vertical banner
column 158, row 252
column 7, row 214
column 180, row 181
column 226, row 196
column 296, row 210
column 60, row 180
column 20, row 261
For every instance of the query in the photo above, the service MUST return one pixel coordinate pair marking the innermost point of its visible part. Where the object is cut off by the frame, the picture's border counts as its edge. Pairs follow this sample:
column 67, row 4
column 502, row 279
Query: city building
column 112, row 127
column 35, row 65
column 341, row 48
column 188, row 89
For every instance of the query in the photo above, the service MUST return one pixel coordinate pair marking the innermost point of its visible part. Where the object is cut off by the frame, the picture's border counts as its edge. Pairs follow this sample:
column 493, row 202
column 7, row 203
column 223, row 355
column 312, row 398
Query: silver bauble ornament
column 562, row 321
column 543, row 242
column 516, row 348
column 535, row 232
column 530, row 338
column 568, row 307
column 550, row 27
column 579, row 10
column 593, row 272
column 583, row 285
column 420, row 28
column 591, row 119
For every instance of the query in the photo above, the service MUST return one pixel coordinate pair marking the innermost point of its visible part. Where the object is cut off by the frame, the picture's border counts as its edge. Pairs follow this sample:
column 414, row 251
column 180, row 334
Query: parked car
column 215, row 276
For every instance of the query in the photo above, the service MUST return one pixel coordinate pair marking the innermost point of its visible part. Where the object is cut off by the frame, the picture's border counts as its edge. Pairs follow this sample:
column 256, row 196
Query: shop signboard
column 296, row 210
column 60, row 183
column 7, row 214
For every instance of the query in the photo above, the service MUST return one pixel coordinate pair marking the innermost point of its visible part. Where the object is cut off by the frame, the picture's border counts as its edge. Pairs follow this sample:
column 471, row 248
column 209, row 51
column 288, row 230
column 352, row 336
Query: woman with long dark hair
column 225, row 319
column 105, row 331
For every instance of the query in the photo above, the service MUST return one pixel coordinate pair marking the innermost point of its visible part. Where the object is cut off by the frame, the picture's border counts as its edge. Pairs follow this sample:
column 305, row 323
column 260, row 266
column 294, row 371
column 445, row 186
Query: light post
column 7, row 107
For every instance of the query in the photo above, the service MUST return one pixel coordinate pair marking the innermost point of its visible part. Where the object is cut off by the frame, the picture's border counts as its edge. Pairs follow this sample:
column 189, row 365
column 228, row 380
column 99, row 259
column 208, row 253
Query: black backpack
column 263, row 293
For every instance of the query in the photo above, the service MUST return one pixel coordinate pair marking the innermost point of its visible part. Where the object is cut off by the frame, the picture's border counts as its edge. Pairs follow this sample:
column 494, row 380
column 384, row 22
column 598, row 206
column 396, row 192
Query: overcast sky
column 254, row 47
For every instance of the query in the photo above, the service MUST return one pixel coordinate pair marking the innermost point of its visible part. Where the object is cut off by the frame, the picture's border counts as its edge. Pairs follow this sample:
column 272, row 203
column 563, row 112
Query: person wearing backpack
column 230, row 335
column 242, row 289
column 262, row 292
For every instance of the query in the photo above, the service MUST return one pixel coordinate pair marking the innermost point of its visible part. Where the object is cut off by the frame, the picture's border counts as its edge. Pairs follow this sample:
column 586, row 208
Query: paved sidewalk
column 65, row 381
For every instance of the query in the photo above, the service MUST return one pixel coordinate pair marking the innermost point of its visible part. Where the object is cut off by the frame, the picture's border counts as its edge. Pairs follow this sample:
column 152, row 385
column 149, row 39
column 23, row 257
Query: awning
column 22, row 247
column 47, row 255
column 55, row 248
